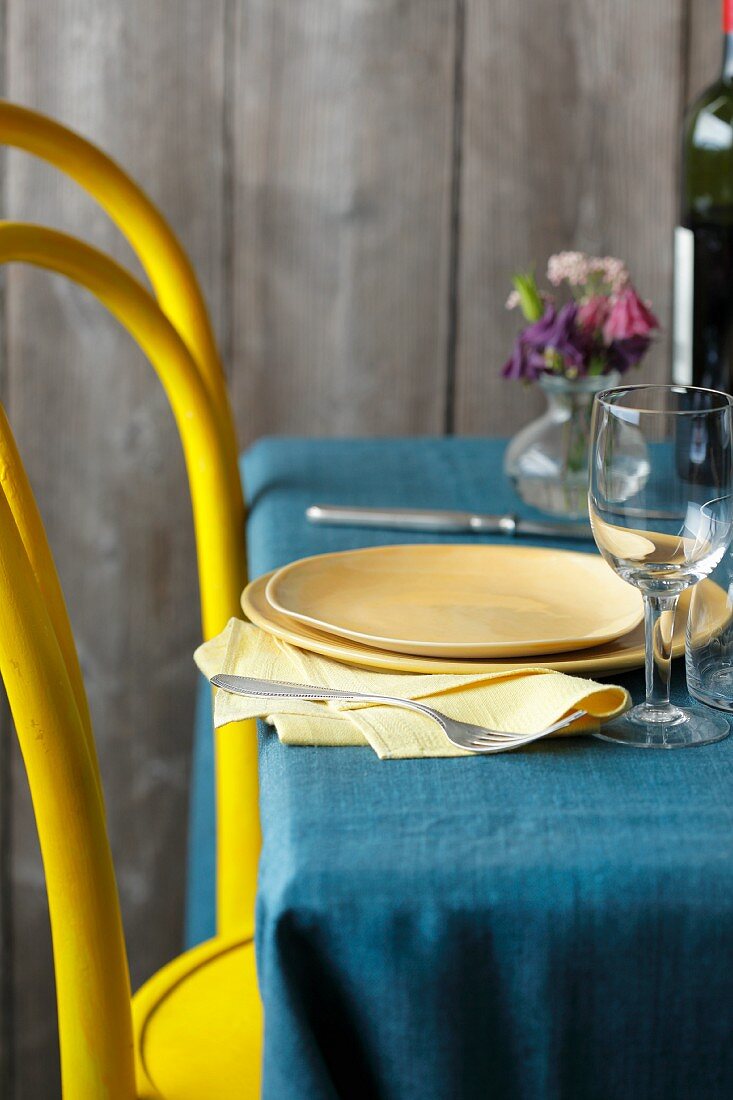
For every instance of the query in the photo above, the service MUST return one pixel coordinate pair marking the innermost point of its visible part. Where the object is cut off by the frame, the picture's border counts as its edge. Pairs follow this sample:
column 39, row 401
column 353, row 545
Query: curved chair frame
column 20, row 497
column 180, row 299
column 219, row 541
column 144, row 227
column 92, row 980
column 107, row 1050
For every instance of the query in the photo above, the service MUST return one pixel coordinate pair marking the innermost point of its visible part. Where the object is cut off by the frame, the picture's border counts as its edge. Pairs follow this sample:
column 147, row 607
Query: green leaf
column 529, row 296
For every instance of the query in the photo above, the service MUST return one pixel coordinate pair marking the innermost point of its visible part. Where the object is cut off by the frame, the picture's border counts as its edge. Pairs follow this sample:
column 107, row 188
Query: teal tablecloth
column 552, row 923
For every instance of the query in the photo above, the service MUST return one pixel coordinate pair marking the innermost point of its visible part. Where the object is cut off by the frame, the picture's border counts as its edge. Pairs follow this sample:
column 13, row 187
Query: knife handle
column 400, row 519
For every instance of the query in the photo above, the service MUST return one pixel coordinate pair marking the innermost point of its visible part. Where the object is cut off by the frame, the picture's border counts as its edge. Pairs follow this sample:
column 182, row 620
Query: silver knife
column 418, row 519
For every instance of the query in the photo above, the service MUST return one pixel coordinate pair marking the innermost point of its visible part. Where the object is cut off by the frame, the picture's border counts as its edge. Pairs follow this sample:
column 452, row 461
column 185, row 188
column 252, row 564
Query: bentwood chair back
column 194, row 1030
column 222, row 572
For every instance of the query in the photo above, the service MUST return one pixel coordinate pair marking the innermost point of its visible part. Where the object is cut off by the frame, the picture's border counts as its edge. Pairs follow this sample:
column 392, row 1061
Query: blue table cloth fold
column 551, row 924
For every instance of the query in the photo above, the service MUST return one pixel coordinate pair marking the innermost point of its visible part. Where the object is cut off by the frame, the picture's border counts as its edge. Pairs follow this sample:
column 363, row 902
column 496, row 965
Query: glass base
column 666, row 727
column 713, row 685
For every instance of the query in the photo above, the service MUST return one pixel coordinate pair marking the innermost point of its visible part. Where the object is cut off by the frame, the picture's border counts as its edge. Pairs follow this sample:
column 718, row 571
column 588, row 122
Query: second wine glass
column 662, row 524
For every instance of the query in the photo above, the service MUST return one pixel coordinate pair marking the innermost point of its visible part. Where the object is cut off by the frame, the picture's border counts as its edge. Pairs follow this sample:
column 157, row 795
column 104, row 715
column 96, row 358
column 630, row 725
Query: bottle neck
column 727, row 73
column 728, row 39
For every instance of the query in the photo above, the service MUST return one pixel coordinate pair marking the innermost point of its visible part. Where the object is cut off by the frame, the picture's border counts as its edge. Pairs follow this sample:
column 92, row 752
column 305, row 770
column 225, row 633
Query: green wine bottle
column 703, row 286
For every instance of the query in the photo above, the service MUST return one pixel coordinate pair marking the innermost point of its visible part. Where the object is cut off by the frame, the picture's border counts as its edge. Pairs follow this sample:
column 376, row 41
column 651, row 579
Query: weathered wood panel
column 144, row 78
column 341, row 116
column 704, row 45
column 570, row 139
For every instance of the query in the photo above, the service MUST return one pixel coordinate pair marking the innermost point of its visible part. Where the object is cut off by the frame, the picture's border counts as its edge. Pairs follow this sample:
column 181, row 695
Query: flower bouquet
column 580, row 338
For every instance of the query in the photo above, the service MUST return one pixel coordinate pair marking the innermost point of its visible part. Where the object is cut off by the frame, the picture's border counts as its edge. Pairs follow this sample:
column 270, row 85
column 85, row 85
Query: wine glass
column 661, row 508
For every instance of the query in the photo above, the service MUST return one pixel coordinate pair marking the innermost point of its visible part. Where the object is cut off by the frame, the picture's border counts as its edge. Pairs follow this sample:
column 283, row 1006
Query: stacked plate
column 456, row 608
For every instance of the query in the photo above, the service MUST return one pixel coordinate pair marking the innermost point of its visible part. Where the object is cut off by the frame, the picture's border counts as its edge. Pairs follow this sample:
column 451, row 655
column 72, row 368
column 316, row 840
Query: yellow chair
column 222, row 575
column 193, row 1032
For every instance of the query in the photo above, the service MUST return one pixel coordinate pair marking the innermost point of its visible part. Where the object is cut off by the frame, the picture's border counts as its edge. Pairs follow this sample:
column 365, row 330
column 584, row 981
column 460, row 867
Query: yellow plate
column 618, row 656
column 459, row 600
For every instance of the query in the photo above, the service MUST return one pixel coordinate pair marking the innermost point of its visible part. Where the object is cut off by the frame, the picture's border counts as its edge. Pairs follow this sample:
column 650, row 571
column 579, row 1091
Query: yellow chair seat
column 198, row 1026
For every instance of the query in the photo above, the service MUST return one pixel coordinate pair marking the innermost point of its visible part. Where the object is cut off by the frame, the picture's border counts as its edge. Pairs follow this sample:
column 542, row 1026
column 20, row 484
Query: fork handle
column 281, row 689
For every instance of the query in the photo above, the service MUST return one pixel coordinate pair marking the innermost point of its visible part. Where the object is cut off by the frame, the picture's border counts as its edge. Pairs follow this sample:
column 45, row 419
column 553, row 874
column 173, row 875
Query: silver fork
column 461, row 734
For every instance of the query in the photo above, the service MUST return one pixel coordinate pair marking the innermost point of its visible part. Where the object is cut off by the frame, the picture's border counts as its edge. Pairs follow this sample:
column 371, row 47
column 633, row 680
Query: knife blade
column 441, row 522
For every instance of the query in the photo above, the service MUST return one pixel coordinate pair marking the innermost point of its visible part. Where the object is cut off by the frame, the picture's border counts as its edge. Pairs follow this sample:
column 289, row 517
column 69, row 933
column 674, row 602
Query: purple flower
column 556, row 333
column 623, row 354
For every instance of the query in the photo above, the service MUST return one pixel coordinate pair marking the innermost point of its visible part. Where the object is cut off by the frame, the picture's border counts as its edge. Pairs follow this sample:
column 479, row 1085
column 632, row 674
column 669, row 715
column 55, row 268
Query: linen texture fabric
column 522, row 702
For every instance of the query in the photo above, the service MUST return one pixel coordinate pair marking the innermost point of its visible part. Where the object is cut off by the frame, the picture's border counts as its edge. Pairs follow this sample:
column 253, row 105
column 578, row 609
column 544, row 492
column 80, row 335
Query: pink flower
column 570, row 267
column 629, row 316
column 615, row 273
column 593, row 314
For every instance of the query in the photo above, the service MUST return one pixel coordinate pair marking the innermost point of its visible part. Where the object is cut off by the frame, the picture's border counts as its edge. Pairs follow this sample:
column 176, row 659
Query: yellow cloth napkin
column 523, row 701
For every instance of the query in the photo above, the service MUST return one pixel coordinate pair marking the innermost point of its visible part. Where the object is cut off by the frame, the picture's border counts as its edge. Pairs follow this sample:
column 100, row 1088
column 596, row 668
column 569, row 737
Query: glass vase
column 547, row 461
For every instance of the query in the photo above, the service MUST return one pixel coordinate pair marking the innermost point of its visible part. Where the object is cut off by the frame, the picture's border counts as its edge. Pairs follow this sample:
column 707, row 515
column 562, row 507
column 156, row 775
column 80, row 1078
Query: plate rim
column 585, row 665
column 449, row 650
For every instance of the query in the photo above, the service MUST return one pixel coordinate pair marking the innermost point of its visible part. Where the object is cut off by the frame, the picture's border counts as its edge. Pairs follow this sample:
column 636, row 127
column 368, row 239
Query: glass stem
column 659, row 614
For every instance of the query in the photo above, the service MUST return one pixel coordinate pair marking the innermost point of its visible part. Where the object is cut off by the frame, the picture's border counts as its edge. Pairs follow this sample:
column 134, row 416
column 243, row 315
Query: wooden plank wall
column 355, row 181
column 570, row 139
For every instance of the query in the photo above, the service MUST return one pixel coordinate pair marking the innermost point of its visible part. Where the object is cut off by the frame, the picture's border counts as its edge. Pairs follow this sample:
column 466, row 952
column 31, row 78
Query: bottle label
column 684, row 290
